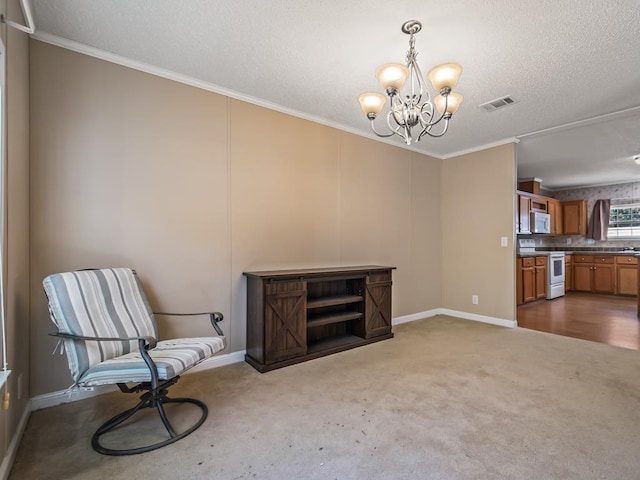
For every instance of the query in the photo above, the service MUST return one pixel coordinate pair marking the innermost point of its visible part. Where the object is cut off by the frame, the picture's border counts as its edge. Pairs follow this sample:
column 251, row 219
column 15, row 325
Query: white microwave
column 540, row 222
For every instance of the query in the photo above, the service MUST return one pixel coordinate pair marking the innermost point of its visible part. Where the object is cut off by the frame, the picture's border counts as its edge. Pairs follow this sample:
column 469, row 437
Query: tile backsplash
column 590, row 194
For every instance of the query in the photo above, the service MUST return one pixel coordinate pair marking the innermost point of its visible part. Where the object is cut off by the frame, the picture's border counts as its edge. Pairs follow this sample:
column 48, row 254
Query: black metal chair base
column 148, row 400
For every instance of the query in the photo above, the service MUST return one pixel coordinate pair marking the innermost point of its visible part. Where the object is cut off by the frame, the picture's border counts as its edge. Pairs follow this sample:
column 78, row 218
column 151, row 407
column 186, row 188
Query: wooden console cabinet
column 297, row 315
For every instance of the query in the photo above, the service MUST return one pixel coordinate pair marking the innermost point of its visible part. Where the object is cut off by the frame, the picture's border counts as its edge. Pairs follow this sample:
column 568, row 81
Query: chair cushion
column 172, row 357
column 107, row 302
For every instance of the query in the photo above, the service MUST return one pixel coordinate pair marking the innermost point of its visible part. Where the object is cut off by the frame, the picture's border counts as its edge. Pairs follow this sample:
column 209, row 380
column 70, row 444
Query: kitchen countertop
column 541, row 253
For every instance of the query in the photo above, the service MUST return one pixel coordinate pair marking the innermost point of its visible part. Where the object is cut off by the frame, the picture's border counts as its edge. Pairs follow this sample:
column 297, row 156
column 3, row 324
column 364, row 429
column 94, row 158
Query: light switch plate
column 504, row 241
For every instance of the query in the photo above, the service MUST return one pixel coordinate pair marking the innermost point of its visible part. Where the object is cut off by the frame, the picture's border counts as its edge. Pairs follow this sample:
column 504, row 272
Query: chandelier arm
column 427, row 130
column 383, row 135
column 442, row 115
column 397, row 129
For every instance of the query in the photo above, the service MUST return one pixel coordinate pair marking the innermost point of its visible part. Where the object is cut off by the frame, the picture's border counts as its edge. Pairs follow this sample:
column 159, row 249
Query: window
column 624, row 221
column 4, row 368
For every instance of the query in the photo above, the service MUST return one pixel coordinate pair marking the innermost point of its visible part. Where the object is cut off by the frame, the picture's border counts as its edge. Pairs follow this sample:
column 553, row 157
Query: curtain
column 599, row 221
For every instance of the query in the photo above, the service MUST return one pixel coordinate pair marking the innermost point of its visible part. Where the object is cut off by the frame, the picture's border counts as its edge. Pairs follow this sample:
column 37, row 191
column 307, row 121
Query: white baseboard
column 415, row 316
column 454, row 313
column 65, row 396
column 10, row 456
column 480, row 318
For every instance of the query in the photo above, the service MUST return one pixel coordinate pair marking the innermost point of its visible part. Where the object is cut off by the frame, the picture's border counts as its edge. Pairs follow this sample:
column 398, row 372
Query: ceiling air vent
column 498, row 103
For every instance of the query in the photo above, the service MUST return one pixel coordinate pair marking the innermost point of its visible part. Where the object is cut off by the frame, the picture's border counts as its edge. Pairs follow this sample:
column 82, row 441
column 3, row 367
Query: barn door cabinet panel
column 298, row 315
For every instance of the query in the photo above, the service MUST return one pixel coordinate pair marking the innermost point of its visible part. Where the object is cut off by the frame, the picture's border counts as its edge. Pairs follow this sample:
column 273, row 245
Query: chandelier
column 415, row 109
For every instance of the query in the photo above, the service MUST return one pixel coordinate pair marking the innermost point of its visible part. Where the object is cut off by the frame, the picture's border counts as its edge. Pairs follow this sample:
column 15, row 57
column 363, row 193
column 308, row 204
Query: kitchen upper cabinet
column 574, row 217
column 555, row 211
column 530, row 202
column 524, row 210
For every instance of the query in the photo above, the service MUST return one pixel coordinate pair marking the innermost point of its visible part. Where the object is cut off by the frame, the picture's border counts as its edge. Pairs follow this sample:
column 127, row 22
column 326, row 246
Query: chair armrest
column 143, row 342
column 215, row 317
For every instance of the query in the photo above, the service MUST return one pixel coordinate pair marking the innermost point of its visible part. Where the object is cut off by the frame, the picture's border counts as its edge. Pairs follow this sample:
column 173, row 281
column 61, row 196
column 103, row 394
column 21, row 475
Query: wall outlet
column 504, row 241
column 474, row 299
column 568, row 241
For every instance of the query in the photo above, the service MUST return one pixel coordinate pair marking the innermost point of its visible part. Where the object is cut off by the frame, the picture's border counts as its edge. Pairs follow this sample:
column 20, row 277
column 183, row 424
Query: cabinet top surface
column 621, row 253
column 318, row 271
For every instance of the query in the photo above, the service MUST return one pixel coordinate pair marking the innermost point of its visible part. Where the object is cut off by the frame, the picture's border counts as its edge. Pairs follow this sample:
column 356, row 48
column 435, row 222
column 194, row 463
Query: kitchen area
column 566, row 281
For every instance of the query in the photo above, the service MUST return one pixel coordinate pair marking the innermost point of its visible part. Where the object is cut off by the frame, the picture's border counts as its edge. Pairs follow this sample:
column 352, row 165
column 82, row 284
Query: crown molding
column 194, row 82
column 584, row 122
column 480, row 148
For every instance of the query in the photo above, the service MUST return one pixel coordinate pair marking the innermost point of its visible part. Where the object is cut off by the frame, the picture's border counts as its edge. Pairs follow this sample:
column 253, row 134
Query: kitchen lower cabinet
column 594, row 274
column 626, row 275
column 568, row 273
column 582, row 281
column 604, row 279
column 531, row 279
column 541, row 277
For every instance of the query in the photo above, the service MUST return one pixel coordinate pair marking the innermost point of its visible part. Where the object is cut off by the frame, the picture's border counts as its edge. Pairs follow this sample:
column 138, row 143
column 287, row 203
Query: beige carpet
column 445, row 399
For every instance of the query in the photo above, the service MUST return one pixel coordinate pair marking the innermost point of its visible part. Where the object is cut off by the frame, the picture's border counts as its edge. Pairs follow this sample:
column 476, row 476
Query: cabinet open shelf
column 338, row 343
column 333, row 301
column 333, row 317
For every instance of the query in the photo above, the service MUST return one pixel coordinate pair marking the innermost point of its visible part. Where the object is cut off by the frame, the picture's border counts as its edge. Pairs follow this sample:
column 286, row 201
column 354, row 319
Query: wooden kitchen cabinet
column 594, row 274
column 582, row 281
column 519, row 292
column 541, row 278
column 555, row 211
column 524, row 210
column 626, row 275
column 574, row 217
column 530, row 202
column 604, row 278
column 568, row 273
column 531, row 279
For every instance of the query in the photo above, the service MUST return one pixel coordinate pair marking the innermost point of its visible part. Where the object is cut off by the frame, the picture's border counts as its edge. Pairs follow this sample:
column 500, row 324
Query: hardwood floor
column 600, row 318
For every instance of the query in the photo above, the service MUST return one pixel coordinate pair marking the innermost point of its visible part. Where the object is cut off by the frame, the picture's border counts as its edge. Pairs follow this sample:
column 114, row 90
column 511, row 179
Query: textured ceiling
column 562, row 60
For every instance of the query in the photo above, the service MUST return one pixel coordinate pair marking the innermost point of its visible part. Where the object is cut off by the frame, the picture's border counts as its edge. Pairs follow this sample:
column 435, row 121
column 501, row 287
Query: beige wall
column 192, row 188
column 17, row 184
column 478, row 209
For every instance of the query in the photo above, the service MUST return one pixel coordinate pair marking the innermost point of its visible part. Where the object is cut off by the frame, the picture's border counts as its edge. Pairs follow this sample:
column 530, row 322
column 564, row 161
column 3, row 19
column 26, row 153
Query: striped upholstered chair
column 110, row 337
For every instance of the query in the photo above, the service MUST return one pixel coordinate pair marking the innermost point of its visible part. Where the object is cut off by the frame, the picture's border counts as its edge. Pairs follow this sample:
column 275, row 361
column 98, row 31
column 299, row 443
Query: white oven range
column 555, row 275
